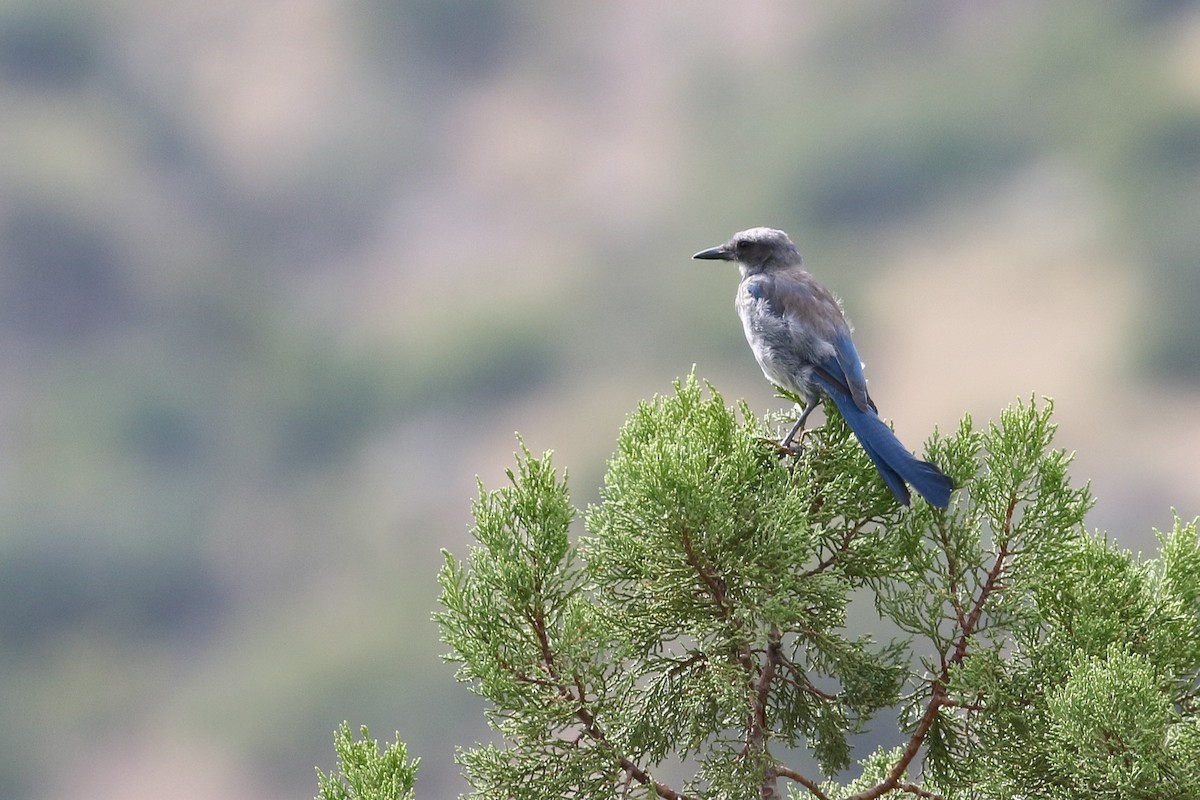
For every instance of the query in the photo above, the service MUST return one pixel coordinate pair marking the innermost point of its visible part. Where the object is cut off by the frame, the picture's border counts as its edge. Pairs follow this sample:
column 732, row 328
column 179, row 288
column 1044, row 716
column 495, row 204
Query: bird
column 801, row 339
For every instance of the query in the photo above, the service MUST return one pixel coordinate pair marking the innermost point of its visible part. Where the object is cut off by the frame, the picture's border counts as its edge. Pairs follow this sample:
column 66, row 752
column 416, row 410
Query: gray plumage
column 801, row 340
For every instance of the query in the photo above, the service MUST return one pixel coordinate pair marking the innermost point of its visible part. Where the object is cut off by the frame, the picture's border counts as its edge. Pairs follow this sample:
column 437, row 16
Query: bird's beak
column 718, row 253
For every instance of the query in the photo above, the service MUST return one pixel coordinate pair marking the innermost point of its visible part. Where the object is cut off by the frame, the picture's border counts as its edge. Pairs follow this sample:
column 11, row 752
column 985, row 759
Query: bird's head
column 756, row 250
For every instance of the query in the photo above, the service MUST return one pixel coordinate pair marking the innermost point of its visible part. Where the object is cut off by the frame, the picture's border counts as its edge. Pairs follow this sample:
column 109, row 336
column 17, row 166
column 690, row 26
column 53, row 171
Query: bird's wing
column 851, row 364
column 797, row 294
column 833, row 378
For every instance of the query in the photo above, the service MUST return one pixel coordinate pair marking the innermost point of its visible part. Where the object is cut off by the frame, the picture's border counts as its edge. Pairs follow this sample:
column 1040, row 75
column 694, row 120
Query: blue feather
column 802, row 342
column 895, row 464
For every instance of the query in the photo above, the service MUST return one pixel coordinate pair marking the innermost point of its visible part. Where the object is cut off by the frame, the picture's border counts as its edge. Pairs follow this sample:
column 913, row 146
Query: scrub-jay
column 801, row 339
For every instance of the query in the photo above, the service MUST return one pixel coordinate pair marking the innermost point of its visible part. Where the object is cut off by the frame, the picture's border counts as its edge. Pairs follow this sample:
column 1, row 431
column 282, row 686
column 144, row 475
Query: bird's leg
column 786, row 444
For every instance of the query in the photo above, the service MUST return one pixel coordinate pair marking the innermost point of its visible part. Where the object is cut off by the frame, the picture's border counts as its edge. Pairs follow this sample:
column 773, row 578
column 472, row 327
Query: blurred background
column 278, row 279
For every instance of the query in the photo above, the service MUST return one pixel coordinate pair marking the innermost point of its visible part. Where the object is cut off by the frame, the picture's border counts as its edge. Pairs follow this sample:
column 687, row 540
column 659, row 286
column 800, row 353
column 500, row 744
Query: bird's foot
column 795, row 440
column 792, row 446
column 777, row 446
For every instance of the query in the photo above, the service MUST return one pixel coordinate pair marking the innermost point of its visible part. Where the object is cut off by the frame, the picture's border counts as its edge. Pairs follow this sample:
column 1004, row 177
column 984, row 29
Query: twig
column 836, row 553
column 807, row 783
column 757, row 729
column 802, row 682
column 912, row 788
column 952, row 571
column 590, row 726
column 938, row 696
column 714, row 584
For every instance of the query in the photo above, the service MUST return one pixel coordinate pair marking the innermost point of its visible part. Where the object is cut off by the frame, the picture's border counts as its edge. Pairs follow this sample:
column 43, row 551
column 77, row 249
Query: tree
column 366, row 773
column 695, row 642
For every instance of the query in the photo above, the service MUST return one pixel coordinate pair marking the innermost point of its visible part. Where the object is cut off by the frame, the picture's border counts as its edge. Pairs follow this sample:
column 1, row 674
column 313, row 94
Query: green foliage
column 700, row 622
column 1100, row 697
column 698, row 523
column 1107, row 725
column 365, row 773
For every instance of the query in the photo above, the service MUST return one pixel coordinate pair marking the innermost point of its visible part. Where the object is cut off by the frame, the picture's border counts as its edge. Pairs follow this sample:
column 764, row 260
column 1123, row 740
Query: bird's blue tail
column 895, row 464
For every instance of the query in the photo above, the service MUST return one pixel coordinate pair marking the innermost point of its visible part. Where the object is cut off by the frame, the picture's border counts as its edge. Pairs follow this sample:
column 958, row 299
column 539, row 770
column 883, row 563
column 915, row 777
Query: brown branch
column 911, row 749
column 714, row 584
column 807, row 783
column 952, row 571
column 809, row 689
column 642, row 777
column 912, row 788
column 717, row 589
column 538, row 621
column 985, row 592
column 836, row 552
column 593, row 729
column 802, row 682
column 938, row 687
column 963, row 704
column 590, row 726
column 756, row 715
column 756, row 731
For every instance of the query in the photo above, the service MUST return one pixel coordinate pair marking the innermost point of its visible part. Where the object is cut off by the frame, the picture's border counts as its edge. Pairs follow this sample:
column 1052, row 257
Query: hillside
column 278, row 280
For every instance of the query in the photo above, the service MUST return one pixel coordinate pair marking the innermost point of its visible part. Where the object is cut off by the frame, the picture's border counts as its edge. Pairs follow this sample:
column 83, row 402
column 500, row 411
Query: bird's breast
column 784, row 345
